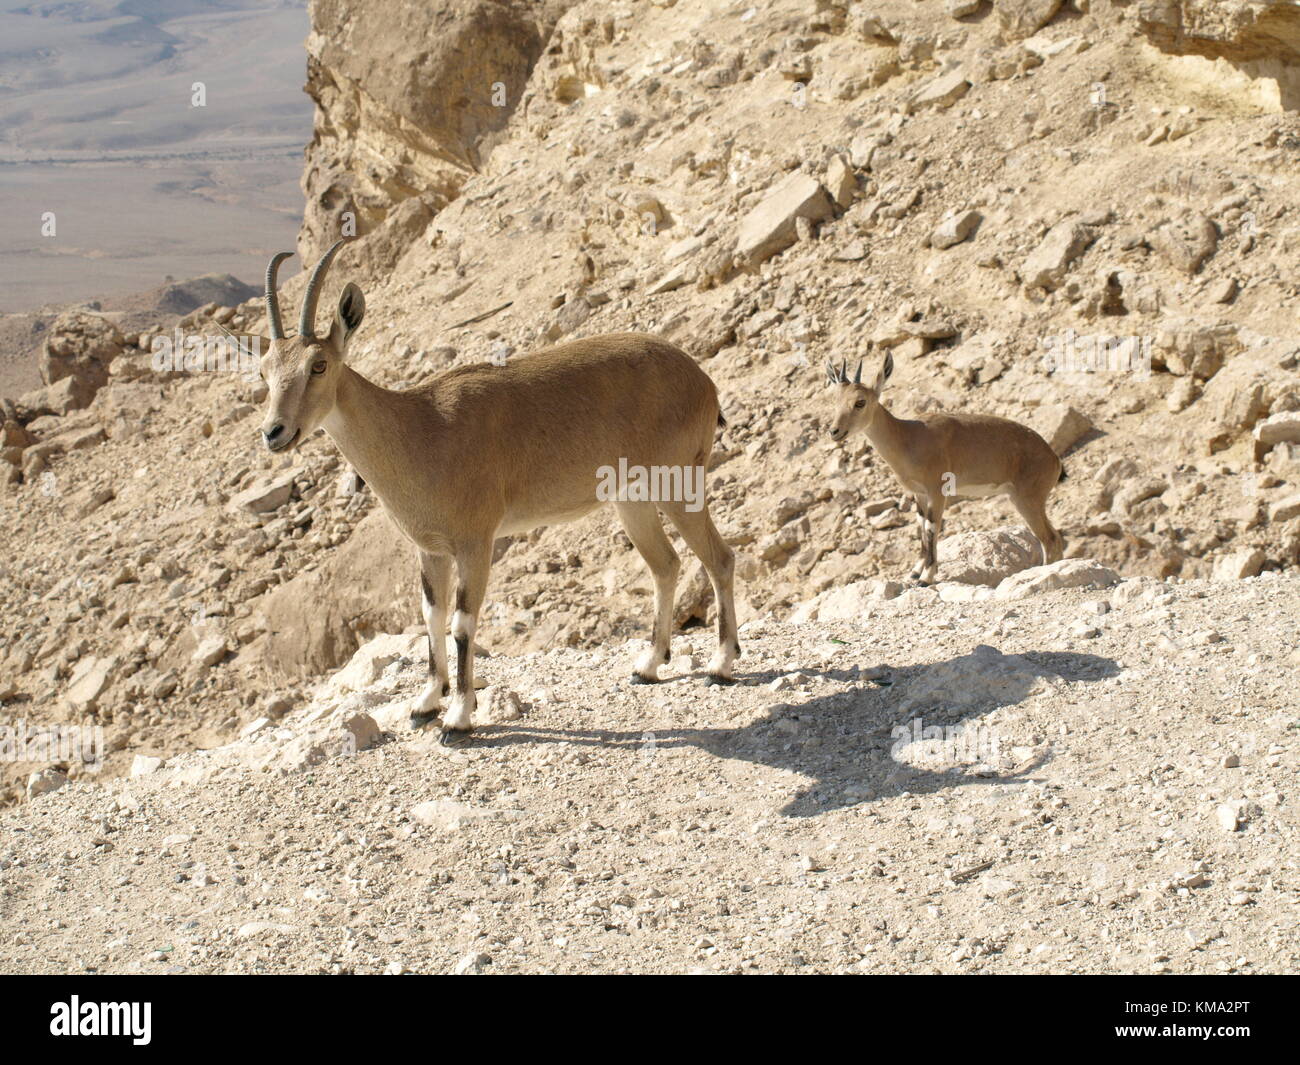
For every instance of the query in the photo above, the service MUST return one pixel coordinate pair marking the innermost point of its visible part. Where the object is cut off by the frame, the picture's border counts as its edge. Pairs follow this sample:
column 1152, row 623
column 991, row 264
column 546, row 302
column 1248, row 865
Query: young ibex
column 485, row 451
column 940, row 457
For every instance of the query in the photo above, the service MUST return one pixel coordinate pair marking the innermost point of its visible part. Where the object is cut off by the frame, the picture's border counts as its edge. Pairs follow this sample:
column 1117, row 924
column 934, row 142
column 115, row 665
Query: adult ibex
column 484, row 451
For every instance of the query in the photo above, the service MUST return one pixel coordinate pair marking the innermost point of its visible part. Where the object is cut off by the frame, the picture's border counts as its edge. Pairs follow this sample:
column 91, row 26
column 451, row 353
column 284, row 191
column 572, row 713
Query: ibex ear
column 886, row 368
column 352, row 308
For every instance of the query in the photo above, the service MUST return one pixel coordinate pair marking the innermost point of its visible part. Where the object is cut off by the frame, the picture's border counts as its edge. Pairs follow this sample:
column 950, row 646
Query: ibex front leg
column 435, row 587
column 929, row 517
column 473, row 564
column 922, row 527
column 938, row 503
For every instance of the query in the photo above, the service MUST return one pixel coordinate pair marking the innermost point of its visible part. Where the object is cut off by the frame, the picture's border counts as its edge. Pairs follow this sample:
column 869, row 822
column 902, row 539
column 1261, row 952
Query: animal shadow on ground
column 845, row 741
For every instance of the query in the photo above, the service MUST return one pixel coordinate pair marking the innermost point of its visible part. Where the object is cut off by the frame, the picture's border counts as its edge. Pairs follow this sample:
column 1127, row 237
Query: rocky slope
column 1096, row 778
column 1077, row 214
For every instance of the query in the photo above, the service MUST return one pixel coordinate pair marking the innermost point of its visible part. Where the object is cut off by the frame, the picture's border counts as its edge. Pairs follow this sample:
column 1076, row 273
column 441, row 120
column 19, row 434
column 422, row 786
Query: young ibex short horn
column 484, row 451
column 942, row 457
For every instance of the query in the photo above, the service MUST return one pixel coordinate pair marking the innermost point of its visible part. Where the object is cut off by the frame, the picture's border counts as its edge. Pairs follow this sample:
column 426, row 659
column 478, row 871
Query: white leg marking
column 647, row 665
column 720, row 664
column 429, row 700
column 460, row 714
column 462, row 625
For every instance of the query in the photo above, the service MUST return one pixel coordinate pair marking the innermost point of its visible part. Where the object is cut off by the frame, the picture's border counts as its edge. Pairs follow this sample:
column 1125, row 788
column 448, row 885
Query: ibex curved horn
column 307, row 317
column 272, row 300
column 857, row 378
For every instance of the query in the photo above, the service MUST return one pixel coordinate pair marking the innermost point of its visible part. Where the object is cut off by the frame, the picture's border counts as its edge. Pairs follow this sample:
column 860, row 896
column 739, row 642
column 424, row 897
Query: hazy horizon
column 99, row 127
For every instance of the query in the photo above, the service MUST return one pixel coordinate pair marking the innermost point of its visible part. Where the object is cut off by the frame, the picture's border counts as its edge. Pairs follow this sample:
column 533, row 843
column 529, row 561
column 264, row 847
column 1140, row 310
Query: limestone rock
column 1046, row 266
column 1138, row 490
column 44, row 781
column 61, row 398
column 1186, row 244
column 88, row 682
column 987, row 557
column 342, row 737
column 1237, row 399
column 1197, row 349
column 845, row 603
column 841, row 181
column 266, row 496
column 373, row 657
column 144, row 764
column 498, row 705
column 1240, row 564
column 955, row 228
column 209, row 652
column 1023, row 18
column 1281, row 428
column 1286, row 509
column 1181, row 395
column 942, row 92
column 1234, row 29
column 449, row 816
column 770, row 227
column 310, row 620
column 472, row 965
column 1068, row 573
column 426, row 89
column 81, row 345
column 1062, row 426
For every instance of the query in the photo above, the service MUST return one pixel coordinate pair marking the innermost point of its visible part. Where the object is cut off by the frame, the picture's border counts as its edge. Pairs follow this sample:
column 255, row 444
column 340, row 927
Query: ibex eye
column 318, row 366
column 860, row 404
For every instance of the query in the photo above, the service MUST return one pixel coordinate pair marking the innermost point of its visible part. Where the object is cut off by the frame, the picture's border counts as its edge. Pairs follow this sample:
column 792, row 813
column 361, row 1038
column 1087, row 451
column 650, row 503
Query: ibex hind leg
column 719, row 563
column 1034, row 511
column 644, row 528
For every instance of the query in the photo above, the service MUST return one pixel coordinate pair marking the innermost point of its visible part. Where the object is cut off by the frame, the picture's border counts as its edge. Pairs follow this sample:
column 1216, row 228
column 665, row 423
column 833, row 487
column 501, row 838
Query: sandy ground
column 1077, row 825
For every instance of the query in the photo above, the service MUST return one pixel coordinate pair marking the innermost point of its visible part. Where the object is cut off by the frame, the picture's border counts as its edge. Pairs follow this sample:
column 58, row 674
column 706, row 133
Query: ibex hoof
column 419, row 719
column 719, row 679
column 637, row 678
column 454, row 737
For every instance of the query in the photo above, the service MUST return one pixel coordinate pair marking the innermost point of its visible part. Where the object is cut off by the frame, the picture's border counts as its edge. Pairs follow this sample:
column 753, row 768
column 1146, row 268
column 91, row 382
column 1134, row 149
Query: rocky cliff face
column 1239, row 30
column 1260, row 39
column 409, row 98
